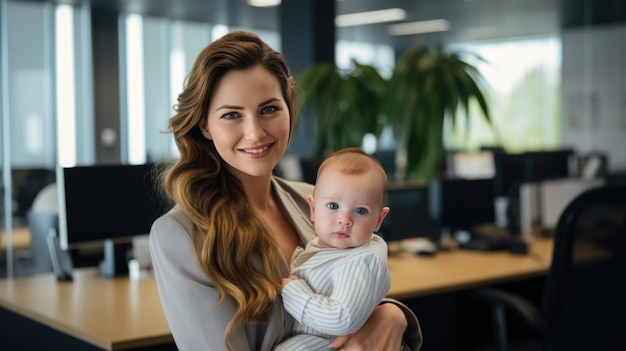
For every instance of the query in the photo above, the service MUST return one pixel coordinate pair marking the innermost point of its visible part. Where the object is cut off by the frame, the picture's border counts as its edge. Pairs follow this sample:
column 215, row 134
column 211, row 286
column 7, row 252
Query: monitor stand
column 115, row 262
column 61, row 259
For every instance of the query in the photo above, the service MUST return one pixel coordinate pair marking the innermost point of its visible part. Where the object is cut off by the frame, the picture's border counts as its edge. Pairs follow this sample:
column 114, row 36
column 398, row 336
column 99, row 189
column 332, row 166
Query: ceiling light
column 369, row 17
column 264, row 3
column 419, row 27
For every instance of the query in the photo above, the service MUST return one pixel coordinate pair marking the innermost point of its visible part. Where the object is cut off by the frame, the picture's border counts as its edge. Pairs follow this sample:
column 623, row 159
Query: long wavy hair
column 233, row 244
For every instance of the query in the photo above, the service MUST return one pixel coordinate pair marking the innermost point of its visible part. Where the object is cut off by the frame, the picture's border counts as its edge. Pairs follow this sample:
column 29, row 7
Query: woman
column 220, row 254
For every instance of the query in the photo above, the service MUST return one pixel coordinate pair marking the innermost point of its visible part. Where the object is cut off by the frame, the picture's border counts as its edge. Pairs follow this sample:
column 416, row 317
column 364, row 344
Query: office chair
column 44, row 249
column 38, row 259
column 584, row 297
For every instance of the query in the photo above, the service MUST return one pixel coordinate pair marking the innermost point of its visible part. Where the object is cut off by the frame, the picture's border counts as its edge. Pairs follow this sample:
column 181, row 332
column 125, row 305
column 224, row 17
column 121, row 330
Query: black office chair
column 584, row 297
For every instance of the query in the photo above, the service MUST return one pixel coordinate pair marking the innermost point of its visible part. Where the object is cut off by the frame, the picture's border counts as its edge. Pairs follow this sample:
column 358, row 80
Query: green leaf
column 424, row 89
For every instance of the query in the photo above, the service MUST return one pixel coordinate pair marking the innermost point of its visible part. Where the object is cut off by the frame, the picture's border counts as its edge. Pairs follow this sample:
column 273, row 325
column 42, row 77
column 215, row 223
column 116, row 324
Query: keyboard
column 494, row 239
column 515, row 245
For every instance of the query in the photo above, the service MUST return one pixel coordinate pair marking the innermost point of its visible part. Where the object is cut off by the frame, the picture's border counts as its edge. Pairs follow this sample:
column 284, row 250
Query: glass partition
column 29, row 149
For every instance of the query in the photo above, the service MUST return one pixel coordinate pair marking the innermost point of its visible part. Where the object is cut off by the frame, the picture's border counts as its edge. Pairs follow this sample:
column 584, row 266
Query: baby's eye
column 362, row 211
column 230, row 115
column 269, row 109
column 332, row 205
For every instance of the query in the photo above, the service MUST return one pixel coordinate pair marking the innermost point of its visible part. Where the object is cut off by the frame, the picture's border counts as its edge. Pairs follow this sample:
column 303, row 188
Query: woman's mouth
column 257, row 151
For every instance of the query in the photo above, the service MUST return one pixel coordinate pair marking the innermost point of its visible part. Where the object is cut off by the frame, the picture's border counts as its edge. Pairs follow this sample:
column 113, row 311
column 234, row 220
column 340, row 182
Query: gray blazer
column 189, row 298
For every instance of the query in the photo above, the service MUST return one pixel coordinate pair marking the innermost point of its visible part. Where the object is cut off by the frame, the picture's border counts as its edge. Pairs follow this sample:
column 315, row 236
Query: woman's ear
column 205, row 130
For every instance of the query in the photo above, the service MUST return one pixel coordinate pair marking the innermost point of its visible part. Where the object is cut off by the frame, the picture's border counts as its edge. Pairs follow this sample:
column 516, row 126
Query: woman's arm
column 187, row 296
column 412, row 337
column 391, row 324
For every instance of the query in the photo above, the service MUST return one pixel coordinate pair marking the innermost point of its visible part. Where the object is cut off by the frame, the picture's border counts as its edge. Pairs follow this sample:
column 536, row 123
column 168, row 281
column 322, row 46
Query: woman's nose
column 254, row 129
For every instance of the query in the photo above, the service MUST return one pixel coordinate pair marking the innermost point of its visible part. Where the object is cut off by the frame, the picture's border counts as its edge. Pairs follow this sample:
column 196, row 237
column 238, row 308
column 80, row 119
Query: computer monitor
column 469, row 164
column 309, row 167
column 550, row 164
column 387, row 159
column 508, row 173
column 106, row 205
column 409, row 213
column 460, row 204
column 511, row 170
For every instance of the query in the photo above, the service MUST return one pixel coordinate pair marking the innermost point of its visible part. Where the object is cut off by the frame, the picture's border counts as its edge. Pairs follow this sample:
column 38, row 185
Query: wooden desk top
column 113, row 314
column 118, row 314
column 20, row 238
column 414, row 276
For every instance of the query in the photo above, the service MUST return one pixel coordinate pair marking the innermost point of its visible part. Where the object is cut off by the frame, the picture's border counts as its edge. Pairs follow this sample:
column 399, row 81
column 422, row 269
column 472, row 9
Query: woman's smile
column 257, row 151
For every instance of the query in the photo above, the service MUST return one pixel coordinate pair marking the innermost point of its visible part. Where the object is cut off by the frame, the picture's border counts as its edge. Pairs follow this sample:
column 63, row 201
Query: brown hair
column 354, row 161
column 233, row 244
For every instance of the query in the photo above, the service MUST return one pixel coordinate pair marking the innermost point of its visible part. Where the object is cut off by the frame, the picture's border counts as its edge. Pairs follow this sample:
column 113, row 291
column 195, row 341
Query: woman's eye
column 332, row 205
column 230, row 115
column 269, row 109
column 362, row 211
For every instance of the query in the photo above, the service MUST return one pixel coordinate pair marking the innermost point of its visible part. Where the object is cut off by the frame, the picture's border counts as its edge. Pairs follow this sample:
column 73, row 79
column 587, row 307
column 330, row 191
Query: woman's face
column 248, row 121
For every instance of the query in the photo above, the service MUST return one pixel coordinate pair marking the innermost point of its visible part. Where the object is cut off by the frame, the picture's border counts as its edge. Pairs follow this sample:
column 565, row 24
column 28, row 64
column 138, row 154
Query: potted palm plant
column 345, row 104
column 424, row 90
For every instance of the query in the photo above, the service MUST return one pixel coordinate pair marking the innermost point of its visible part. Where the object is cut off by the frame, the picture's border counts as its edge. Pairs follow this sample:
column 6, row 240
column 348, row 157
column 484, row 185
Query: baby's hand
column 289, row 279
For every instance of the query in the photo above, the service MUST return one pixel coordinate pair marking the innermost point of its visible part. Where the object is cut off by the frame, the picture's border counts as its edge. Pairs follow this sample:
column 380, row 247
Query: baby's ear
column 381, row 216
column 311, row 200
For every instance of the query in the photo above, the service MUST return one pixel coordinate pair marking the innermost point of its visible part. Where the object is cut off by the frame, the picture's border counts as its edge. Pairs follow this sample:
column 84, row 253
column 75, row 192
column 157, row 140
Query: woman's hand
column 382, row 332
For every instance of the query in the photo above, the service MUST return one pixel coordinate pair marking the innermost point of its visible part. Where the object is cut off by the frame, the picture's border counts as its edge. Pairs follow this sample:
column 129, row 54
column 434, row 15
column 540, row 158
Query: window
column 524, row 86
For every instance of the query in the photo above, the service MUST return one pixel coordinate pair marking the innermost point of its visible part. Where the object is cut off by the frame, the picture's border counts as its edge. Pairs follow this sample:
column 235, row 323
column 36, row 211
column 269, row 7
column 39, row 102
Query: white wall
column 593, row 91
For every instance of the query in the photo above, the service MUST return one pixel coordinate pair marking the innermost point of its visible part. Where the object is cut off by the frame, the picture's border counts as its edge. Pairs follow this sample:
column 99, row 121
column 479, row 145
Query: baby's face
column 346, row 209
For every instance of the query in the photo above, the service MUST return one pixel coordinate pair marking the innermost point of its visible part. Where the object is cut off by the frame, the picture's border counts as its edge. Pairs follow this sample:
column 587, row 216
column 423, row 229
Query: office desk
column 414, row 276
column 112, row 314
column 20, row 239
column 119, row 314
